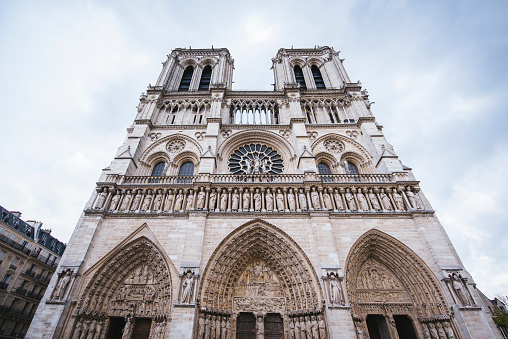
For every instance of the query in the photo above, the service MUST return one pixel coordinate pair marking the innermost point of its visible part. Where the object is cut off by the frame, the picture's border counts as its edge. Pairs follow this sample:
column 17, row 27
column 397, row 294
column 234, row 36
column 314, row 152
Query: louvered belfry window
column 206, row 76
column 186, row 79
column 299, row 77
column 318, row 79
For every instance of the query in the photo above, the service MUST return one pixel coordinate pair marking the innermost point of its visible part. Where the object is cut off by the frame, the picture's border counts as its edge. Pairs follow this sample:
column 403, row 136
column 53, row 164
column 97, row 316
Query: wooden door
column 141, row 328
column 246, row 326
column 274, row 326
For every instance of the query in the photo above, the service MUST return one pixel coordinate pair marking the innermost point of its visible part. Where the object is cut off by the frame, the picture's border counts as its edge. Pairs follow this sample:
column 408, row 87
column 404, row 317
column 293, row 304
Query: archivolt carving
column 383, row 272
column 255, row 254
column 134, row 280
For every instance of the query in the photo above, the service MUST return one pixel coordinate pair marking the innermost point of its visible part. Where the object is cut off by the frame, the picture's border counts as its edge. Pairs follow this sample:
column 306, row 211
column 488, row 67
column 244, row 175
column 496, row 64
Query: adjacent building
column 29, row 256
column 283, row 213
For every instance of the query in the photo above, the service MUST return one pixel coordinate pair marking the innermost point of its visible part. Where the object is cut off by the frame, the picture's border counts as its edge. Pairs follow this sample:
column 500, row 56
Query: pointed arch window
column 318, row 79
column 299, row 77
column 351, row 168
column 186, row 79
column 158, row 169
column 206, row 76
column 323, row 168
column 187, row 168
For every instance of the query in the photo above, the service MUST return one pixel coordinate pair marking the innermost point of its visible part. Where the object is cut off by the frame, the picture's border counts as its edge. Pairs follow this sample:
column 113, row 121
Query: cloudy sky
column 71, row 73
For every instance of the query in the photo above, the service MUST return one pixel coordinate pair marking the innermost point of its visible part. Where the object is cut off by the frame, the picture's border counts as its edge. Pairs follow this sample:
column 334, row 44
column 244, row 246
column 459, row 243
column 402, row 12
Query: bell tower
column 282, row 213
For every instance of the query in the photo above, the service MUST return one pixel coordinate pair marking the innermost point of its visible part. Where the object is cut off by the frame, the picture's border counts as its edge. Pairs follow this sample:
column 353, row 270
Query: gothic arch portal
column 386, row 279
column 258, row 269
column 133, row 281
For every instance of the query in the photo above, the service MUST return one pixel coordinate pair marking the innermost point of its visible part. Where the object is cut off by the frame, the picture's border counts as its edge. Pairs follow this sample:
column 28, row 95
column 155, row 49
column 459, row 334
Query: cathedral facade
column 259, row 214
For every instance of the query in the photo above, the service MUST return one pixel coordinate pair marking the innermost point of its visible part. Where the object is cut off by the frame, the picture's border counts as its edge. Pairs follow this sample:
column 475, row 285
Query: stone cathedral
column 259, row 214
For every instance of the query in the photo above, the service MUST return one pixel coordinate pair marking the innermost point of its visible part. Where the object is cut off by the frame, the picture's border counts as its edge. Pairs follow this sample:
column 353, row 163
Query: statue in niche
column 125, row 202
column 257, row 200
column 291, row 200
column 335, row 290
column 448, row 329
column 351, row 200
column 459, row 288
column 291, row 329
column 62, row 285
column 314, row 196
column 440, row 330
column 157, row 203
column 433, row 331
column 201, row 326
column 338, row 200
column 187, row 288
column 315, row 327
column 211, row 200
column 212, row 326
column 169, row 201
column 146, row 203
column 298, row 328
column 178, row 201
column 200, row 203
column 327, row 200
column 374, row 201
column 302, row 200
column 235, row 199
column 280, row 200
column 413, row 200
column 260, row 328
column 114, row 202
column 308, row 327
column 269, row 200
column 223, row 328
column 136, row 201
column 224, row 201
column 322, row 328
column 127, row 329
column 362, row 202
column 399, row 201
column 426, row 333
column 207, row 326
column 77, row 329
column 386, row 201
column 246, row 200
column 101, row 199
column 218, row 327
column 190, row 199
column 228, row 329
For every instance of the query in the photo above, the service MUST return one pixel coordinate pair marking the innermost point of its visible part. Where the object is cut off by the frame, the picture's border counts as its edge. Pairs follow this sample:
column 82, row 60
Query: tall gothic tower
column 259, row 214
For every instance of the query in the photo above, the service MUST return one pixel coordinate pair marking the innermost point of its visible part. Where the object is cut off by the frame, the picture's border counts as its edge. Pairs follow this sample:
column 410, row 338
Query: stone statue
column 257, row 200
column 433, row 331
column 291, row 201
column 260, row 330
column 211, row 200
column 291, row 329
column 386, row 201
column 361, row 333
column 178, row 201
column 335, row 291
column 157, row 202
column 212, row 327
column 298, row 329
column 224, row 201
column 136, row 201
column 351, row 200
column 200, row 203
column 125, row 202
column 235, row 200
column 441, row 331
column 426, row 333
column 187, row 285
column 190, row 200
column 61, row 287
column 308, row 327
column 98, row 329
column 127, row 329
column 207, row 326
column 399, row 201
column 246, row 200
column 223, row 328
column 449, row 330
column 77, row 330
column 114, row 202
column 413, row 200
column 458, row 287
column 146, row 203
column 374, row 201
column 322, row 328
column 169, row 201
column 362, row 202
column 280, row 200
column 302, row 200
column 218, row 328
column 228, row 329
column 84, row 331
column 327, row 200
column 269, row 200
column 314, row 196
column 338, row 200
column 315, row 328
column 101, row 199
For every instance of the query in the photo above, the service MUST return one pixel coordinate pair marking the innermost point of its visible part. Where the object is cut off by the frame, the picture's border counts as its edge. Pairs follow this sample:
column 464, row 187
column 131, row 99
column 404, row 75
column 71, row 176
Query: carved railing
column 355, row 178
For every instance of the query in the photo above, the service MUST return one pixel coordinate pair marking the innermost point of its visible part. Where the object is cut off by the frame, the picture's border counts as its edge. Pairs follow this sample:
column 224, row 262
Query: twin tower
column 258, row 214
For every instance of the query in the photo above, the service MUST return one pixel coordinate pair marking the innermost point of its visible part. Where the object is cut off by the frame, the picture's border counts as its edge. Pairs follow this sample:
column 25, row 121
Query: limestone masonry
column 259, row 214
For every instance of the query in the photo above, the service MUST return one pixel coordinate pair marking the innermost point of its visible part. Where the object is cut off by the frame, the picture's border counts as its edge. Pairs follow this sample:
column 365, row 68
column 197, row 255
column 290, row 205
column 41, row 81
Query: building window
column 187, row 168
column 351, row 168
column 158, row 169
column 186, row 79
column 323, row 168
column 299, row 77
column 318, row 79
column 206, row 76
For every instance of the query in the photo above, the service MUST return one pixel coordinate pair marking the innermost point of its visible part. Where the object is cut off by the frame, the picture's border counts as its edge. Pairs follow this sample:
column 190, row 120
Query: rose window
column 255, row 159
